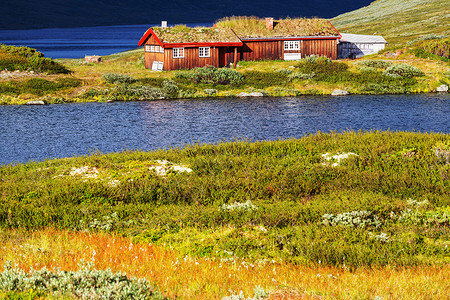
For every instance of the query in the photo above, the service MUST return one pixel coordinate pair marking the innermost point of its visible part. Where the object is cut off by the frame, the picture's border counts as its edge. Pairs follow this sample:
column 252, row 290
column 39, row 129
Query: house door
column 222, row 57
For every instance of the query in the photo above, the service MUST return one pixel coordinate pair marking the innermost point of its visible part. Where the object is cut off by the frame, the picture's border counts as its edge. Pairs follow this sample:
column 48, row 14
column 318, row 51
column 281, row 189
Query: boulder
column 443, row 88
column 339, row 93
column 35, row 102
column 210, row 91
column 256, row 94
column 243, row 94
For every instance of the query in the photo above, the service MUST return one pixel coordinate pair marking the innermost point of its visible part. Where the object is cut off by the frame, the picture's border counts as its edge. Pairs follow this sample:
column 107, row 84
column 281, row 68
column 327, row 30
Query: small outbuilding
column 357, row 45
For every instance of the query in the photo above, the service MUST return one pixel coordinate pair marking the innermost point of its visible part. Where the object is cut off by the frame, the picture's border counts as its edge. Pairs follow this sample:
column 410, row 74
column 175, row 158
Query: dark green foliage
column 375, row 63
column 403, row 70
column 401, row 178
column 211, row 75
column 118, row 78
column 262, row 80
column 438, row 49
column 323, row 68
column 23, row 58
column 38, row 86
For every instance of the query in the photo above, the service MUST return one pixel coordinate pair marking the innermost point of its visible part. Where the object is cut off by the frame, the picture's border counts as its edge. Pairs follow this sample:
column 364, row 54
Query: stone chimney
column 269, row 23
column 163, row 24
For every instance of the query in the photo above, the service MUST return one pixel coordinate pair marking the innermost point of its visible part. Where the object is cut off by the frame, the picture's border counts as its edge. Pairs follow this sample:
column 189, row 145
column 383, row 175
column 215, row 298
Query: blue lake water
column 78, row 42
column 41, row 132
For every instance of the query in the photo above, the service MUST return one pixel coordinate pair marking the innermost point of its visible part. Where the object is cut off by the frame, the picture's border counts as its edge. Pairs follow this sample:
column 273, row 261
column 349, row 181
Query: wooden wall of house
column 272, row 50
column 266, row 50
column 319, row 47
column 190, row 59
column 150, row 57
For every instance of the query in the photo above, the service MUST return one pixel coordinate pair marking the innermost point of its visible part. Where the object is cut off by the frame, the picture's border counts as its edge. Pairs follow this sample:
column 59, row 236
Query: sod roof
column 184, row 34
column 254, row 27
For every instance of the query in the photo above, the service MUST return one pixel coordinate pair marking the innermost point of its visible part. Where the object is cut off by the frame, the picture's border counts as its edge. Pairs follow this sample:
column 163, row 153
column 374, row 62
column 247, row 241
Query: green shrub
column 303, row 76
column 24, row 58
column 118, row 78
column 261, row 80
column 285, row 71
column 324, row 69
column 435, row 49
column 211, row 75
column 382, row 88
column 375, row 63
column 86, row 283
column 403, row 70
column 91, row 93
column 38, row 86
column 170, row 88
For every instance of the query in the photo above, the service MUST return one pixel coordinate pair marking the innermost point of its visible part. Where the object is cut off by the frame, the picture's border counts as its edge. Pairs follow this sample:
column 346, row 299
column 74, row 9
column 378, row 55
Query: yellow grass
column 203, row 278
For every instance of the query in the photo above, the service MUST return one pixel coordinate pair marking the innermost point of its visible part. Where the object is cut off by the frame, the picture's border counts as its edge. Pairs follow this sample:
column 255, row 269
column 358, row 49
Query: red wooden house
column 238, row 38
column 181, row 47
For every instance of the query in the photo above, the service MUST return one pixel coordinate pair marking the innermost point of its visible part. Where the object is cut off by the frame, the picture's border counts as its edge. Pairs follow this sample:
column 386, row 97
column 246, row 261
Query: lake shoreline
column 87, row 82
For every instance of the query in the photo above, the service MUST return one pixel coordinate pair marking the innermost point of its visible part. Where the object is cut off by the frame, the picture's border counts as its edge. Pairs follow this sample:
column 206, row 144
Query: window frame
column 176, row 53
column 291, row 45
column 206, row 51
column 154, row 49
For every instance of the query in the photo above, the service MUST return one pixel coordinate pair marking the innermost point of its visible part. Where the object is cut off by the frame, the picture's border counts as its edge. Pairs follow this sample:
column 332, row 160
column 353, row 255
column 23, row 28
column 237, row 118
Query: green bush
column 436, row 49
column 118, row 78
column 261, row 80
column 211, row 75
column 126, row 92
column 170, row 88
column 23, row 58
column 403, row 70
column 324, row 69
column 88, row 282
column 303, row 76
column 38, row 86
column 376, row 89
column 375, row 63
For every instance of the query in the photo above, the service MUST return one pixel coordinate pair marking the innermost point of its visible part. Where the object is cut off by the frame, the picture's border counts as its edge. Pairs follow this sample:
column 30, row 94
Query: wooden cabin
column 286, row 39
column 181, row 47
column 235, row 39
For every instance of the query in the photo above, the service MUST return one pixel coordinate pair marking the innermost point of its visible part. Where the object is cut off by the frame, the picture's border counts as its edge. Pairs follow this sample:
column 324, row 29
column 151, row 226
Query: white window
column 203, row 52
column 291, row 45
column 153, row 48
column 178, row 52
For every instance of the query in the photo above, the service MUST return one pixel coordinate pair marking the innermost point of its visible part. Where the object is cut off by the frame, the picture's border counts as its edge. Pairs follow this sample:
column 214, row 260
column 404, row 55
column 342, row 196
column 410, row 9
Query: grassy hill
column 398, row 21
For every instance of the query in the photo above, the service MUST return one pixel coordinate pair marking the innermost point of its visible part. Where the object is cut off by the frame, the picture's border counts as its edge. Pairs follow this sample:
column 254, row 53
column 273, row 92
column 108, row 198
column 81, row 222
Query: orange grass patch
column 205, row 278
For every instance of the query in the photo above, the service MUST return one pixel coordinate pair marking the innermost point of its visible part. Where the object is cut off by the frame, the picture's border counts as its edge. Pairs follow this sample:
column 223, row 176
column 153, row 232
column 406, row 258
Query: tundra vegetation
column 301, row 218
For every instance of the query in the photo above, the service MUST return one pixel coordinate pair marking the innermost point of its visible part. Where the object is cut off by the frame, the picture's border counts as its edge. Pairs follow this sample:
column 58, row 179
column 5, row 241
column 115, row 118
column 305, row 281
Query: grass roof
column 184, row 34
column 254, row 27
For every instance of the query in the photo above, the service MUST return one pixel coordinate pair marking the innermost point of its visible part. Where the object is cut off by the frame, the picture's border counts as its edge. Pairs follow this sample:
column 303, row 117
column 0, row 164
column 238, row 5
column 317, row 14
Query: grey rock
column 339, row 93
column 35, row 102
column 210, row 91
column 256, row 94
column 443, row 88
column 243, row 94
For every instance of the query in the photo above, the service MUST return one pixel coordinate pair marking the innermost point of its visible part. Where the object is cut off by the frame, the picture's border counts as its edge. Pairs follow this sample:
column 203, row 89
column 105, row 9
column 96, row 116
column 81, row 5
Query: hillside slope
column 398, row 21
